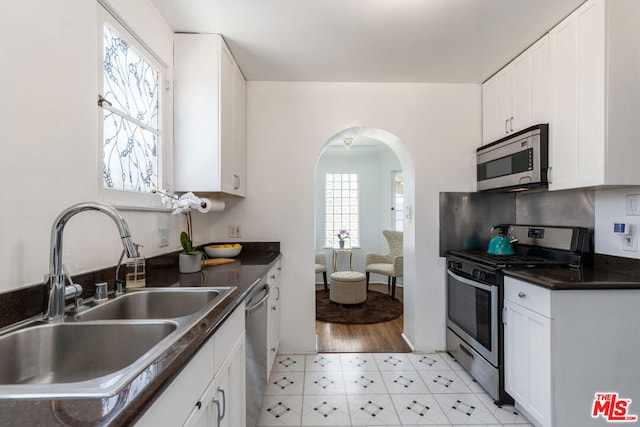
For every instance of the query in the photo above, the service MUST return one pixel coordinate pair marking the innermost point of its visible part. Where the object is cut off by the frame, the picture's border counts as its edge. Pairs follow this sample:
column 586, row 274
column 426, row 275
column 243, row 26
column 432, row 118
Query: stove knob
column 482, row 275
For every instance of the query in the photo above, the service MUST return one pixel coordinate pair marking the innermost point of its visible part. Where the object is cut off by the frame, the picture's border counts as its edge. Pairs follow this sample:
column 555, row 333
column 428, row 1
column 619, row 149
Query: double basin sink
column 96, row 351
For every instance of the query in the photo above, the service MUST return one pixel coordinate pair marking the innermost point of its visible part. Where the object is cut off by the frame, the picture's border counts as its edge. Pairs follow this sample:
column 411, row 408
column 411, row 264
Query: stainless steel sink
column 97, row 351
column 74, row 358
column 154, row 304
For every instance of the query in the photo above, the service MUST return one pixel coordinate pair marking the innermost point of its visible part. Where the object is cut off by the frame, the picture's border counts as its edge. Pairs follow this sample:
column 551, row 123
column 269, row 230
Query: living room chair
column 321, row 266
column 390, row 264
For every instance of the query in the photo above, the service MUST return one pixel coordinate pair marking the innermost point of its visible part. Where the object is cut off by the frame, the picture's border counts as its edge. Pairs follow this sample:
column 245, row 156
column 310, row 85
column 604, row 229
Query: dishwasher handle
column 260, row 303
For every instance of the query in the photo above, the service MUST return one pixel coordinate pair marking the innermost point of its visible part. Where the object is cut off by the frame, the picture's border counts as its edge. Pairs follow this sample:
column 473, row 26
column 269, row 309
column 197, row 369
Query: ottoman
column 348, row 287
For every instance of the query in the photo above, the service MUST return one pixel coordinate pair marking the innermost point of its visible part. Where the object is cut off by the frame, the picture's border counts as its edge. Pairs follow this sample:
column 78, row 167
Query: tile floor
column 383, row 389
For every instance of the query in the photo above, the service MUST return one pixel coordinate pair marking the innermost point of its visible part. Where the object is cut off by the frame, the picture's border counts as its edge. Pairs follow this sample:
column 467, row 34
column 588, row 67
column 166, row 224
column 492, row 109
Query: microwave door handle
column 470, row 282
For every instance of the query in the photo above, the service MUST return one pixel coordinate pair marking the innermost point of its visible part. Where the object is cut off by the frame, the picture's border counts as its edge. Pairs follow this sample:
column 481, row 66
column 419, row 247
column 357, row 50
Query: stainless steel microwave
column 517, row 162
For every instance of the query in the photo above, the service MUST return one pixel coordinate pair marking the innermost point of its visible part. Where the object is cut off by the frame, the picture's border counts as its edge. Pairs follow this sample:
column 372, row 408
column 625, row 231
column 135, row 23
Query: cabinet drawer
column 532, row 297
column 228, row 334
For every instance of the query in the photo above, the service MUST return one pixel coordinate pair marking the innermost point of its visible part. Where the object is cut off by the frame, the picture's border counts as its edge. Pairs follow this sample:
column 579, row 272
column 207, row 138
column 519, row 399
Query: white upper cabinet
column 595, row 96
column 517, row 96
column 209, row 117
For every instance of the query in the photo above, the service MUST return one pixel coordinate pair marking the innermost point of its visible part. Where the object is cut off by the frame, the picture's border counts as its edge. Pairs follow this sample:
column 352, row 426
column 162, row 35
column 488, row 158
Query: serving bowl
column 223, row 251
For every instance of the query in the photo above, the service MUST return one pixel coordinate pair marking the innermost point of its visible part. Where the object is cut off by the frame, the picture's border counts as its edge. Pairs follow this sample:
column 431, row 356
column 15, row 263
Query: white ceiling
column 445, row 41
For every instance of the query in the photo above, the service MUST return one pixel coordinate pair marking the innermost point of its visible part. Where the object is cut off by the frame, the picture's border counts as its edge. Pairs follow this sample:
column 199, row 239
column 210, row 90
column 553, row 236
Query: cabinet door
column 239, row 132
column 273, row 329
column 516, row 375
column 539, row 75
column 226, row 121
column 496, row 106
column 229, row 399
column 521, row 93
column 577, row 135
column 527, row 354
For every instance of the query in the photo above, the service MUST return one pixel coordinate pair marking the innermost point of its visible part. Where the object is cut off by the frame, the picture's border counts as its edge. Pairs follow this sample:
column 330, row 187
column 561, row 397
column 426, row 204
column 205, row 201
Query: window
column 341, row 208
column 131, row 137
column 397, row 202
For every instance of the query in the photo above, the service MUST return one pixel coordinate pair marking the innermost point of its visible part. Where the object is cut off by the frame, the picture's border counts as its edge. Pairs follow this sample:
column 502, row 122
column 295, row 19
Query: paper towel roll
column 207, row 205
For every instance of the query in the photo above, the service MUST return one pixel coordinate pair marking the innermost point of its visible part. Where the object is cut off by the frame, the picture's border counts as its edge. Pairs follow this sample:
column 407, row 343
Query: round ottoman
column 348, row 287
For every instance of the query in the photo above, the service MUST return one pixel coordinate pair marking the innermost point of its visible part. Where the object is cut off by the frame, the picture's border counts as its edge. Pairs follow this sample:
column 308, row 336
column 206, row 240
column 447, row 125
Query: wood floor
column 384, row 337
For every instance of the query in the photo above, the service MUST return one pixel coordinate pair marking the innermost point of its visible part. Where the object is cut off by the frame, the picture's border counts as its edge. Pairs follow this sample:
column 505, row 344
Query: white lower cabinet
column 562, row 347
column 273, row 316
column 223, row 402
column 210, row 390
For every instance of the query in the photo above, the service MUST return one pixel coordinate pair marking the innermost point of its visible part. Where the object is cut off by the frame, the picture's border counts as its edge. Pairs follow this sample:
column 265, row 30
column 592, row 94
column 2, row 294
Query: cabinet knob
column 273, row 349
column 199, row 405
column 522, row 294
column 273, row 308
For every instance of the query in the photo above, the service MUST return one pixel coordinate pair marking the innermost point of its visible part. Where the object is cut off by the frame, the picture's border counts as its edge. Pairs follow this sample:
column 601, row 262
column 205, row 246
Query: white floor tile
column 355, row 362
column 372, row 410
column 453, row 363
column 506, row 414
column 387, row 389
column 418, row 409
column 428, row 362
column 369, row 382
column 281, row 411
column 465, row 409
column 470, row 382
column 392, row 361
column 402, row 382
column 326, row 382
column 285, row 383
column 321, row 410
column 323, row 362
column 289, row 363
column 444, row 382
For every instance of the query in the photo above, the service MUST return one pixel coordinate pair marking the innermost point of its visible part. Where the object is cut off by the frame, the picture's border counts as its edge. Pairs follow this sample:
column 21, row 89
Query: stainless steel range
column 475, row 292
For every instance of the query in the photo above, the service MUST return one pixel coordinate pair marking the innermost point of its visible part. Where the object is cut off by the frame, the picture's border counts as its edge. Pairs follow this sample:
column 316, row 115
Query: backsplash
column 161, row 271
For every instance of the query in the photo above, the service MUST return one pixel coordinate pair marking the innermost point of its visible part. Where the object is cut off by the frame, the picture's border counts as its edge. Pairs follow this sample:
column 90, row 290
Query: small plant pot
column 190, row 263
column 341, row 244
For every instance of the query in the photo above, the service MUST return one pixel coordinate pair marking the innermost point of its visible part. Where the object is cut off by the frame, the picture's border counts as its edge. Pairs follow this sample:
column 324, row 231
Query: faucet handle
column 119, row 287
column 101, row 291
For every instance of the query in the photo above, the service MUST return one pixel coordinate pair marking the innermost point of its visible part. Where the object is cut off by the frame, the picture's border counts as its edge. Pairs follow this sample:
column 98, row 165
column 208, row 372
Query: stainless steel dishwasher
column 256, row 329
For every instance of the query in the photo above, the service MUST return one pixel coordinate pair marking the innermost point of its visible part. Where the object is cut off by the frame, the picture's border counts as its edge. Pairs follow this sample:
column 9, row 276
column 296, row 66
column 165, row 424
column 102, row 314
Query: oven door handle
column 470, row 282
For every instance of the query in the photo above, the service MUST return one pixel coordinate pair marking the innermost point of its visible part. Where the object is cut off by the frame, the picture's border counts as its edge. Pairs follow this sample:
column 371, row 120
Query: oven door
column 472, row 313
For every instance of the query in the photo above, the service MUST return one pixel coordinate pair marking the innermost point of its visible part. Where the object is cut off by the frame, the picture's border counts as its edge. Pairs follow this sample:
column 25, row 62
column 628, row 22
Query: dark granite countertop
column 126, row 406
column 558, row 278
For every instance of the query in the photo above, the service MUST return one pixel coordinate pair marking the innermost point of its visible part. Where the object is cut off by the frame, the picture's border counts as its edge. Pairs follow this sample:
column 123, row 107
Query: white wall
column 288, row 125
column 373, row 164
column 49, row 123
column 611, row 207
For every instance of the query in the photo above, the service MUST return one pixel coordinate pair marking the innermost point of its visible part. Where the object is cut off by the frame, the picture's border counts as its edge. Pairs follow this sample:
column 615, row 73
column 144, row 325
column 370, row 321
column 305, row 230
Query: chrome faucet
column 57, row 275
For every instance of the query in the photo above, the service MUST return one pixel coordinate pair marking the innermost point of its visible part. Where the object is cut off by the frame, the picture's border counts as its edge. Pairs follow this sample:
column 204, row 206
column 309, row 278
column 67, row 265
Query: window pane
column 130, row 155
column 341, row 208
column 130, row 82
column 131, row 130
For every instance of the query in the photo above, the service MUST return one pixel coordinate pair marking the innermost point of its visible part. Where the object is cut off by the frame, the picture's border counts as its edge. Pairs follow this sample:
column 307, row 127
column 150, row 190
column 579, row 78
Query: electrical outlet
column 235, row 231
column 629, row 243
column 164, row 237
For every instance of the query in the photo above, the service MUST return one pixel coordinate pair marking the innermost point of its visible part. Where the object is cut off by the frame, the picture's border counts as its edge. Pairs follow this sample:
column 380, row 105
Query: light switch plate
column 633, row 204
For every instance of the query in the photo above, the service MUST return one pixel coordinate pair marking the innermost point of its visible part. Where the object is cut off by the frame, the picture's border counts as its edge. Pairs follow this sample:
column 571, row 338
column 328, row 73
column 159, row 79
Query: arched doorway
column 374, row 159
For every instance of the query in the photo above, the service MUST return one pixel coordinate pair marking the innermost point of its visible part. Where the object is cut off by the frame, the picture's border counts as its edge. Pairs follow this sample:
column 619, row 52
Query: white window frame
column 333, row 231
column 117, row 197
column 394, row 207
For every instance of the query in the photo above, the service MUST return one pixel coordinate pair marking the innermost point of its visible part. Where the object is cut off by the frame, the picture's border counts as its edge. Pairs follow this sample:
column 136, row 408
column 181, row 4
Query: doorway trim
column 408, row 168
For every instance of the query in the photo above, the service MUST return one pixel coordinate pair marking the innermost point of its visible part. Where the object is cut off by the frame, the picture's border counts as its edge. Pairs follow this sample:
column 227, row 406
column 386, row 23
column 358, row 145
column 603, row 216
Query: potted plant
column 190, row 259
column 343, row 235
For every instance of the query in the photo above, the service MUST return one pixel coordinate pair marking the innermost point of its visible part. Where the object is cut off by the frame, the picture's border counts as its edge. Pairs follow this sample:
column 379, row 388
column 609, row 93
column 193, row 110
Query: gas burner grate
column 507, row 260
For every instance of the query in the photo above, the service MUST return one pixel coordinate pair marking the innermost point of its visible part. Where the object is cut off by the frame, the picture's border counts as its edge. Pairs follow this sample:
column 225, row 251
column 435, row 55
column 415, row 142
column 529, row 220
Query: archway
column 367, row 136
